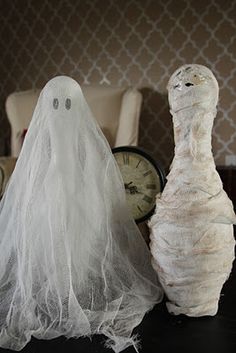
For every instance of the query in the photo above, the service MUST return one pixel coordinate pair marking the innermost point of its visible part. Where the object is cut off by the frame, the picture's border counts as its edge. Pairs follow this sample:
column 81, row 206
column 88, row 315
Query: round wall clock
column 143, row 180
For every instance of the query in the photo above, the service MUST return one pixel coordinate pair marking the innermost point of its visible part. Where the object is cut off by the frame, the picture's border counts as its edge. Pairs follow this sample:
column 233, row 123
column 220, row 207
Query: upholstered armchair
column 116, row 109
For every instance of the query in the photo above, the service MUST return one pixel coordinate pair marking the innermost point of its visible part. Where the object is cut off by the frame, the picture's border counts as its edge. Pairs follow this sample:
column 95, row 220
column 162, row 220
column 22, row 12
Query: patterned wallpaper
column 123, row 42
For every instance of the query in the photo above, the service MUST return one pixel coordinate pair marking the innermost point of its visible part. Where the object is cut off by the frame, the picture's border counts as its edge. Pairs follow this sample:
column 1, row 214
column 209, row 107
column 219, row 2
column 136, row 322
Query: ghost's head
column 192, row 85
column 60, row 96
column 61, row 111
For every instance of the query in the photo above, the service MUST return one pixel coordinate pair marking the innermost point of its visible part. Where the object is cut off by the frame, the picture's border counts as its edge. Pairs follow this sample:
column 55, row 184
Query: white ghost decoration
column 192, row 239
column 72, row 260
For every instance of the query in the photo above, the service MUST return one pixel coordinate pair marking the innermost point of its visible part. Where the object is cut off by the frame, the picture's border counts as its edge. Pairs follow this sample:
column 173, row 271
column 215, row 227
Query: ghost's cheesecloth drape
column 72, row 261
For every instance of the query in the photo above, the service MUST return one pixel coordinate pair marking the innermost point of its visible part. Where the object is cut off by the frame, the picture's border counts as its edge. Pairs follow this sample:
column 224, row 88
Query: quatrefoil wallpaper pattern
column 126, row 43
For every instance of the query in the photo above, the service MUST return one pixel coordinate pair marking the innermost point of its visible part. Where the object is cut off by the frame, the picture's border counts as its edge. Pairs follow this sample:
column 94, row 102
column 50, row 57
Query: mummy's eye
column 188, row 84
column 55, row 103
column 68, row 103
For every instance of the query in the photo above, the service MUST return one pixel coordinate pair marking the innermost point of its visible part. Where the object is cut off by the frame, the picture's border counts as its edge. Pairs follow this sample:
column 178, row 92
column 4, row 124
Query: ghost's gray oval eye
column 68, row 103
column 55, row 103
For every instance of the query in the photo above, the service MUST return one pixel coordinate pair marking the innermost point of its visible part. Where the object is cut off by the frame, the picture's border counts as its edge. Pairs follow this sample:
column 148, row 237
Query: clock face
column 143, row 180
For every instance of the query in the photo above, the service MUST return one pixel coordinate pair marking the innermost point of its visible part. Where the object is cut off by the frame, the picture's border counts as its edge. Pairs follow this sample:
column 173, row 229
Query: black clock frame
column 157, row 167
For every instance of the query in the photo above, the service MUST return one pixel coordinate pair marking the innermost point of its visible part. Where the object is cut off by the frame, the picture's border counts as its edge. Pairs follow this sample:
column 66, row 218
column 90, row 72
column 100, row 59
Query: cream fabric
column 116, row 109
column 19, row 108
column 192, row 239
column 72, row 260
column 129, row 118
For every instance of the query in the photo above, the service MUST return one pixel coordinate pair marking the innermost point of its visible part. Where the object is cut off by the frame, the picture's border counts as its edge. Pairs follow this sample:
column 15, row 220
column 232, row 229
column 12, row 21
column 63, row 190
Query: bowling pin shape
column 192, row 241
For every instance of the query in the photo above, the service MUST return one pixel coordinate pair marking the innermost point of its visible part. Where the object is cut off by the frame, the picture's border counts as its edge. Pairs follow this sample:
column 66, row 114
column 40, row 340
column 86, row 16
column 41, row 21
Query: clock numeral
column 147, row 199
column 139, row 208
column 151, row 186
column 148, row 172
column 138, row 163
column 126, row 158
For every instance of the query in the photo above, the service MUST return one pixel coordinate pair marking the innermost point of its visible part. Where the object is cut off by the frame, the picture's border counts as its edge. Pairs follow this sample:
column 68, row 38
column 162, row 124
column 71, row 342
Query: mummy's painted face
column 192, row 85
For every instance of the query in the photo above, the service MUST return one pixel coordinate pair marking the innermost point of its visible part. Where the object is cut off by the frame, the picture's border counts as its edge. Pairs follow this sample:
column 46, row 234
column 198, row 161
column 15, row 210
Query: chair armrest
column 127, row 133
column 7, row 165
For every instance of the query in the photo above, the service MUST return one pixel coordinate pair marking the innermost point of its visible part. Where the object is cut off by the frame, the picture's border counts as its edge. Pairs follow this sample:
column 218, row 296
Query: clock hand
column 127, row 185
column 134, row 190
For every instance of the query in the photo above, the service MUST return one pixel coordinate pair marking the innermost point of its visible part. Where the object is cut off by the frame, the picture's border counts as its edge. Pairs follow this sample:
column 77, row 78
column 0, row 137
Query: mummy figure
column 192, row 241
column 72, row 260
